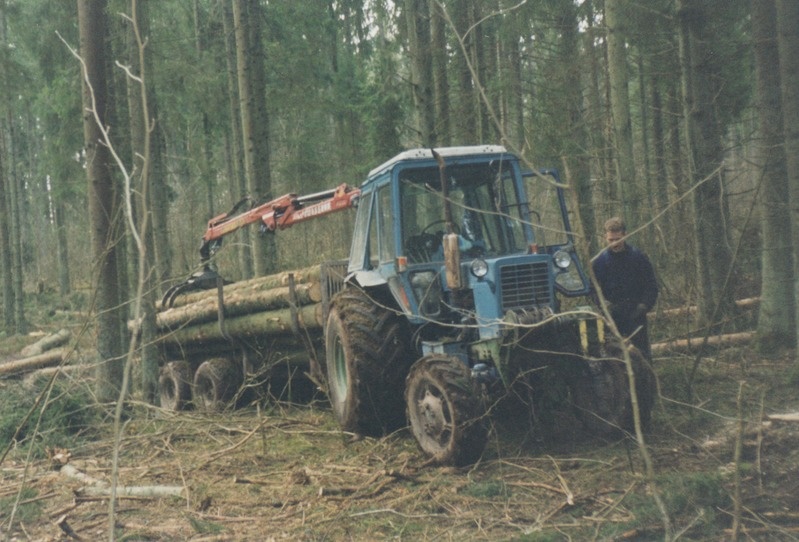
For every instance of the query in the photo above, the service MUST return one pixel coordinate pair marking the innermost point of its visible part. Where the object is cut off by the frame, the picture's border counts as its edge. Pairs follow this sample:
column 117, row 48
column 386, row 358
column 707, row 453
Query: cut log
column 237, row 302
column 790, row 417
column 273, row 323
column 48, row 359
column 749, row 302
column 46, row 343
column 692, row 344
column 279, row 280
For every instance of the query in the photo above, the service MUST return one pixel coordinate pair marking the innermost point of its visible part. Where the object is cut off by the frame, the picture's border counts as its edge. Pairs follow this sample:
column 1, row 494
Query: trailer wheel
column 174, row 386
column 446, row 414
column 215, row 384
column 367, row 359
column 601, row 394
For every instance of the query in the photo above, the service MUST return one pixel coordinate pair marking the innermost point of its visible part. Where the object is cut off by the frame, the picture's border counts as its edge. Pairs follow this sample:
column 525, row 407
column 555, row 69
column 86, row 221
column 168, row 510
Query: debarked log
column 238, row 302
column 48, row 359
column 267, row 323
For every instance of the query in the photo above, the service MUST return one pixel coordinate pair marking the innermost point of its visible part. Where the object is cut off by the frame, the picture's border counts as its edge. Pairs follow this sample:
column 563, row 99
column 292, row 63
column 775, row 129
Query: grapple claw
column 201, row 280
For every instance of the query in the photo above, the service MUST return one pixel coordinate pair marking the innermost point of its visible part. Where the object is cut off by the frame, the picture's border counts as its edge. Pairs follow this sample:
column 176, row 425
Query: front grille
column 524, row 285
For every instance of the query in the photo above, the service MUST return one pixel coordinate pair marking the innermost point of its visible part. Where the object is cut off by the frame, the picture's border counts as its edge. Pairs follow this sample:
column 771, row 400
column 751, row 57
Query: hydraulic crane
column 277, row 214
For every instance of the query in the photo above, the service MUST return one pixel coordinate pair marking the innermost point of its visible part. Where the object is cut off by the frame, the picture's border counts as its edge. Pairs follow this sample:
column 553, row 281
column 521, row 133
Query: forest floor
column 286, row 472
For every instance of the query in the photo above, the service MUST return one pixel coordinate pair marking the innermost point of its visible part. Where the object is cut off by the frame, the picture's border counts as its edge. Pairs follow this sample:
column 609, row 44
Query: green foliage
column 26, row 511
column 488, row 489
column 202, row 526
column 62, row 417
column 793, row 375
column 694, row 497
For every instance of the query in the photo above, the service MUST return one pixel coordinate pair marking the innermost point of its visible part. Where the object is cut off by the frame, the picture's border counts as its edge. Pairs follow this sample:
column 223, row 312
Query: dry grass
column 289, row 473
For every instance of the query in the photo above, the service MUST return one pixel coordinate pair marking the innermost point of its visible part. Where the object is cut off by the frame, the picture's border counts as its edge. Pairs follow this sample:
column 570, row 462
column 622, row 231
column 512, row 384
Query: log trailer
column 461, row 265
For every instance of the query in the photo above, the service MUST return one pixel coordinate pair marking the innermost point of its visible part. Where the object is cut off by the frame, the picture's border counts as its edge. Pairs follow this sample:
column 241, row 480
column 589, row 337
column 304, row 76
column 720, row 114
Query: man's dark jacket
column 627, row 280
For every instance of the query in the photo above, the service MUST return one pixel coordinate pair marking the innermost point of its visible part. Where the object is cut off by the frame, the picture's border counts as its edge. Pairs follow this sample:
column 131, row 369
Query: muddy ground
column 285, row 472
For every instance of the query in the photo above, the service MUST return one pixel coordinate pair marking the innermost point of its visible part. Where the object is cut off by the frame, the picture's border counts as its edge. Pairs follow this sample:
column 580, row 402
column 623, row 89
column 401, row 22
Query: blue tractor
column 463, row 282
column 463, row 287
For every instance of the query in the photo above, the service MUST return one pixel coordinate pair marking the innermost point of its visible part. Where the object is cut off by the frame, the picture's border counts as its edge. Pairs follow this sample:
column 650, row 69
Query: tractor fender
column 388, row 291
column 366, row 279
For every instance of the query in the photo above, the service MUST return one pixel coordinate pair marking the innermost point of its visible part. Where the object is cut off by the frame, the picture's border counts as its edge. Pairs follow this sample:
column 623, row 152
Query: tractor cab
column 510, row 243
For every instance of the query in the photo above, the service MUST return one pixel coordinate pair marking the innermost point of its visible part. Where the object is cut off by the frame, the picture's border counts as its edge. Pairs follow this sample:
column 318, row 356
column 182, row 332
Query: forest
column 127, row 124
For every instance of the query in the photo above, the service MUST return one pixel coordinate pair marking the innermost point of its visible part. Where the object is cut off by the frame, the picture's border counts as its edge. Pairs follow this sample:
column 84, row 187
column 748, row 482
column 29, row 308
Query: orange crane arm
column 280, row 213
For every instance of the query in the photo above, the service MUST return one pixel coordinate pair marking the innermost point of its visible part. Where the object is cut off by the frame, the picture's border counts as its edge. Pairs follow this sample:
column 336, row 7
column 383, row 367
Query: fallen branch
column 133, row 491
column 64, row 526
column 101, row 488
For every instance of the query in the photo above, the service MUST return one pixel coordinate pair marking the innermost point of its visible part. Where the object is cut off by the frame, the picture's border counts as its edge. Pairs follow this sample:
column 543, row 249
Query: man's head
column 615, row 230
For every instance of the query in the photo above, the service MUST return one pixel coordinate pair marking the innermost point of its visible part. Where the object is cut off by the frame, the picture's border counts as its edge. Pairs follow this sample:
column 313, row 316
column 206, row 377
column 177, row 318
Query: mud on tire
column 367, row 358
column 174, row 386
column 446, row 414
column 215, row 384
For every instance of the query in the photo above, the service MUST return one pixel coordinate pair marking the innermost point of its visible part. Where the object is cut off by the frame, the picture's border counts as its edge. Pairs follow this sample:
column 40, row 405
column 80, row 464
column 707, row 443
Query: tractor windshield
column 485, row 211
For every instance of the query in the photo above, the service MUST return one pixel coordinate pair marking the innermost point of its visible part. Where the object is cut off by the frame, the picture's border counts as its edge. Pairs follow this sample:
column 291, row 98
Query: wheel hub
column 434, row 419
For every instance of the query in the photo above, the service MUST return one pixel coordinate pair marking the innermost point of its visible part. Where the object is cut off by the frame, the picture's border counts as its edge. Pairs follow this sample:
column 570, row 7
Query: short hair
column 615, row 224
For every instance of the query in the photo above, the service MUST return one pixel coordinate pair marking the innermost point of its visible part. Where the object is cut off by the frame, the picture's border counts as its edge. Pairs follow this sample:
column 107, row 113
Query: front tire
column 446, row 415
column 367, row 359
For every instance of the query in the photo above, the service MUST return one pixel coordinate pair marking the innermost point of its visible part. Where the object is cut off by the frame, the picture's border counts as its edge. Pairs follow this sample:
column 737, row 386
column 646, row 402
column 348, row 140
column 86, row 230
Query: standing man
column 627, row 280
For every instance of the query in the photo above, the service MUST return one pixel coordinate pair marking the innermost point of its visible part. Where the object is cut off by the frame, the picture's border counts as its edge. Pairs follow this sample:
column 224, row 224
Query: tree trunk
column 576, row 159
column 712, row 252
column 238, row 182
column 62, row 247
column 13, row 195
column 438, row 38
column 5, row 241
column 417, row 16
column 254, row 120
column 141, row 131
column 776, row 325
column 788, row 44
column 620, row 107
column 467, row 102
column 92, row 29
column 515, row 85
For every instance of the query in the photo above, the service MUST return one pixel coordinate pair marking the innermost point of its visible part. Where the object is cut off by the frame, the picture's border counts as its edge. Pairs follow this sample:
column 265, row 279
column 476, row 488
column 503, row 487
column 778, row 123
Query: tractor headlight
column 479, row 268
column 562, row 259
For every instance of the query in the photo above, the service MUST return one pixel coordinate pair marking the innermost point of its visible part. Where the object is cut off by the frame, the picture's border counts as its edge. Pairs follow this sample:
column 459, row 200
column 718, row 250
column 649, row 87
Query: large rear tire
column 215, row 384
column 174, row 386
column 446, row 414
column 367, row 360
column 601, row 394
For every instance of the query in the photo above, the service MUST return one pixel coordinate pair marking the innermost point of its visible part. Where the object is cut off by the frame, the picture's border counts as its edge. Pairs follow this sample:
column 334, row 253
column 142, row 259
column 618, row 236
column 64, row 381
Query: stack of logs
column 259, row 307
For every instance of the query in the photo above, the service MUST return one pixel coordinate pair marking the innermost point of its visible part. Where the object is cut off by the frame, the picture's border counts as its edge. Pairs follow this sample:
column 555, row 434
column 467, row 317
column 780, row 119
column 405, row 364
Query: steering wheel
column 423, row 246
column 455, row 227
